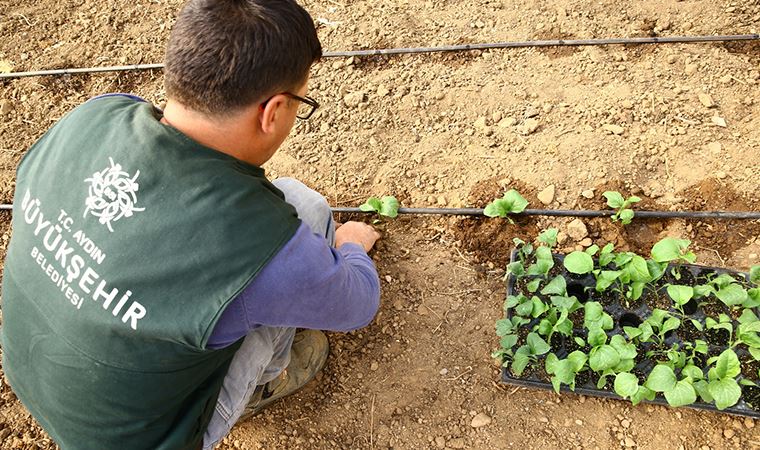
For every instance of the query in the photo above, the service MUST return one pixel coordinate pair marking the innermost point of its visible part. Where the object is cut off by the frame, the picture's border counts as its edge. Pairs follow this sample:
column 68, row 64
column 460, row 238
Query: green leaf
column 638, row 269
column 372, row 204
column 615, row 200
column 503, row 327
column 632, row 332
column 728, row 365
column 703, row 290
column 508, row 341
column 643, row 393
column 603, row 358
column 606, row 278
column 755, row 352
column 669, row 249
column 682, row 394
column 680, row 294
column 512, row 301
column 579, row 341
column 525, row 308
column 577, row 360
column 624, row 349
column 597, row 337
column 623, row 258
column 661, row 379
column 670, row 324
column 732, row 295
column 537, row 344
column 592, row 250
column 693, row 372
column 702, row 388
column 725, row 392
column 754, row 275
column 551, row 363
column 539, row 307
column 389, row 206
column 520, row 362
column 579, row 262
column 512, row 202
column 626, row 384
column 533, row 285
column 556, row 286
column 626, row 216
column 548, row 237
column 516, row 268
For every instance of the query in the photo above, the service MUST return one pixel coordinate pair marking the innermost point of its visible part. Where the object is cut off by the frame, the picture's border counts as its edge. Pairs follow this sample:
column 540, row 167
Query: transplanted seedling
column 511, row 203
column 621, row 205
column 675, row 251
column 386, row 206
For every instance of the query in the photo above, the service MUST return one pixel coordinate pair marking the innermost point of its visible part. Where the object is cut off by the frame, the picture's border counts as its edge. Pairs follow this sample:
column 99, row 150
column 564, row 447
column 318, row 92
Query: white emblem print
column 112, row 194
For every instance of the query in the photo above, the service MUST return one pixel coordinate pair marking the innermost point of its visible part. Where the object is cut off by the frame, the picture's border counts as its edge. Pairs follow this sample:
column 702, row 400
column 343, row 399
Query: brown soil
column 422, row 370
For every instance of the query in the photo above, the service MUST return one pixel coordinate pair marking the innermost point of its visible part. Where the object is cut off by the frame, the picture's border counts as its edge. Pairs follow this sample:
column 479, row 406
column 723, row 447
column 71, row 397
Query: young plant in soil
column 386, row 206
column 621, row 205
column 511, row 203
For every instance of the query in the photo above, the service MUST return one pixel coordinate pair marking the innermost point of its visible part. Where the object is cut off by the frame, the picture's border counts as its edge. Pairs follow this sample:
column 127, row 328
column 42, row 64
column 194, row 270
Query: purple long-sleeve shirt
column 307, row 284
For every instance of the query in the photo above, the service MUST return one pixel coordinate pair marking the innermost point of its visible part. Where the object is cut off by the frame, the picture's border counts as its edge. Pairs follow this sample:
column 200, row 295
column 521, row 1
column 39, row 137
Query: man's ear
column 272, row 112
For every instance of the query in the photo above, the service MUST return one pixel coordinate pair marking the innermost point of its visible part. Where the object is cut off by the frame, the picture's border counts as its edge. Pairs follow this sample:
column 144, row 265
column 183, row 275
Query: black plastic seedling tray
column 626, row 316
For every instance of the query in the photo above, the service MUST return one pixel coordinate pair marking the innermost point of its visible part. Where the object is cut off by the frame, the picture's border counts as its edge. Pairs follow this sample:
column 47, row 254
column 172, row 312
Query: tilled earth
column 678, row 125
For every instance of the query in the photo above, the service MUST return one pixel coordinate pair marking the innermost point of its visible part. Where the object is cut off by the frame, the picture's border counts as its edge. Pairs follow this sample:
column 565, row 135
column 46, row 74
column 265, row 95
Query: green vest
column 129, row 240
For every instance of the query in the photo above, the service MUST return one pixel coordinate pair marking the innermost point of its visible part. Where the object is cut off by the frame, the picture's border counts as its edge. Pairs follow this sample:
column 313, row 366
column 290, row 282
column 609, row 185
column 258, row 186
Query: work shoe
column 307, row 357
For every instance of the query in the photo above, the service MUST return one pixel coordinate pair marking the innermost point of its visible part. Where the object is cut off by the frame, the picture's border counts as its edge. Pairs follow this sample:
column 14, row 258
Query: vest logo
column 112, row 194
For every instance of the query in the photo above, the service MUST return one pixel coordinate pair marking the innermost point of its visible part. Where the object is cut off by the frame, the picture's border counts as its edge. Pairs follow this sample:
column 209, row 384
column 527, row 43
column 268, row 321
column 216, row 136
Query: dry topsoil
column 456, row 130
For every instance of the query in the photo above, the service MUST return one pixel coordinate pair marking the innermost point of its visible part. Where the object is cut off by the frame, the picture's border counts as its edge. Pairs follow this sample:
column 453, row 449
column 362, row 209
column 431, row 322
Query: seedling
column 654, row 328
column 722, row 386
column 621, row 205
column 511, row 203
column 535, row 346
column 672, row 250
column 565, row 370
column 386, row 206
column 681, row 295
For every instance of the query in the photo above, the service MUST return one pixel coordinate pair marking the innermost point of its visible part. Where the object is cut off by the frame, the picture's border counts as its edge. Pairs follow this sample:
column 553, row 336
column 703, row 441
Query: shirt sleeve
column 307, row 284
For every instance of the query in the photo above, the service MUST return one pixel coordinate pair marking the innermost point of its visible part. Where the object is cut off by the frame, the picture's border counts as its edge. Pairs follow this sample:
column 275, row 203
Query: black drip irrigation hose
column 743, row 215
column 447, row 48
column 730, row 215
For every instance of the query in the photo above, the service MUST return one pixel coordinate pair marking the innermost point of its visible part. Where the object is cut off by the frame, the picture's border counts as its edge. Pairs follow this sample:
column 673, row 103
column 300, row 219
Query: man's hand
column 357, row 233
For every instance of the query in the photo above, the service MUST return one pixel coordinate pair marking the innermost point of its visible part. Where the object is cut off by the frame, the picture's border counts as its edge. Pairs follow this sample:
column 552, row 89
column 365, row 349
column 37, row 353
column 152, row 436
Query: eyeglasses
column 305, row 109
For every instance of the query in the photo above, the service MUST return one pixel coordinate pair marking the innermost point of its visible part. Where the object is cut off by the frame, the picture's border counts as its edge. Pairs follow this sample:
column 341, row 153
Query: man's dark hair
column 223, row 55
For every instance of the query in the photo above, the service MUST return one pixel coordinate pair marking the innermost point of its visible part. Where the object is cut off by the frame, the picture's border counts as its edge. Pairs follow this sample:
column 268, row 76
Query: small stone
column 577, row 230
column 561, row 237
column 382, row 91
column 587, row 242
column 691, row 68
column 5, row 108
column 444, row 371
column 748, row 422
column 626, row 104
column 389, row 279
column 625, row 423
column 455, row 443
column 507, row 122
column 614, row 129
column 543, row 419
column 725, row 79
column 480, row 123
column 531, row 111
column 529, row 126
column 715, row 147
column 729, row 433
column 547, row 195
column 480, row 420
column 588, row 193
column 354, row 99
column 706, row 100
column 720, row 175
column 630, row 443
column 374, row 366
column 751, row 256
column 719, row 121
column 440, row 442
column 579, row 422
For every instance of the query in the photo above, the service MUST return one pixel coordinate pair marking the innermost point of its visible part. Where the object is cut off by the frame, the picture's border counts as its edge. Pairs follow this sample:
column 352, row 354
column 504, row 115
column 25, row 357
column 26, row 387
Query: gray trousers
column 265, row 351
